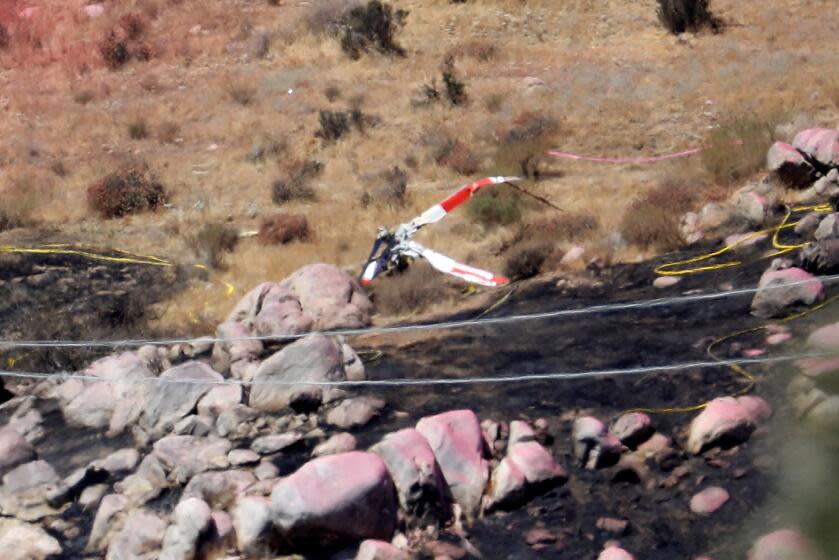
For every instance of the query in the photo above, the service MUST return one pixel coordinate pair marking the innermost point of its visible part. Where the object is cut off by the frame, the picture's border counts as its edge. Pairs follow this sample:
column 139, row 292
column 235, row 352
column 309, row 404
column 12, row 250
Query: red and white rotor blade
column 439, row 211
column 463, row 271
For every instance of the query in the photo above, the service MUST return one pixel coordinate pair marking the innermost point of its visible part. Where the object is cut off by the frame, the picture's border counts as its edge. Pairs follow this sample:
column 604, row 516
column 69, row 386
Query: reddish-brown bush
column 128, row 191
column 458, row 157
column 283, row 228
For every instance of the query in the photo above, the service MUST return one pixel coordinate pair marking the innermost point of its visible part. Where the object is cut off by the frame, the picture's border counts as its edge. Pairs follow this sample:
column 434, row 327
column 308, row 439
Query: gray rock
column 314, row 358
column 266, row 470
column 355, row 412
column 176, row 397
column 356, row 501
column 218, row 399
column 219, row 489
column 807, row 225
column 778, row 290
column 120, row 461
column 140, row 537
column 193, row 425
column 235, row 421
column 105, row 520
column 330, row 296
column 25, row 488
column 632, row 428
column 193, row 520
column 146, row 484
column 828, row 227
column 275, row 442
column 14, row 449
column 239, row 457
column 22, row 541
column 821, row 257
column 186, row 456
column 527, row 470
column 92, row 495
column 71, row 487
column 337, row 443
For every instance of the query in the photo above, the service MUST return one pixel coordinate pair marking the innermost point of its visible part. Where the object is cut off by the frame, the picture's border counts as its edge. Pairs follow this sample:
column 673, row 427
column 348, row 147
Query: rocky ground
column 242, row 448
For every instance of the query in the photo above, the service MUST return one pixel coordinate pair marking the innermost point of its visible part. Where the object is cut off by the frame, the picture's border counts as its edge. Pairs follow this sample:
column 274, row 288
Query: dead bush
column 296, row 187
column 138, row 129
column 167, row 132
column 114, row 51
column 525, row 260
column 409, row 291
column 211, row 242
column 652, row 221
column 241, row 91
column 332, row 93
column 523, row 145
column 372, row 26
column 130, row 190
column 737, row 148
column 133, row 25
column 458, row 157
column 530, row 125
column 393, row 190
column 679, row 16
column 283, row 228
column 335, row 124
column 455, row 87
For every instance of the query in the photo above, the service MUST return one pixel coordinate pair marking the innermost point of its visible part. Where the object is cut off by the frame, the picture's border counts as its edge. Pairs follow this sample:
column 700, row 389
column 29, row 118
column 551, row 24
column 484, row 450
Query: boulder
column 25, row 489
column 527, row 469
column 218, row 399
column 140, row 537
column 419, row 482
column 238, row 344
column 345, row 497
column 105, row 520
column 193, row 520
column 456, row 439
column 778, row 290
column 22, row 541
column 114, row 400
column 355, row 412
column 14, row 449
column 330, row 297
column 828, row 227
column 726, row 421
column 120, row 461
column 784, row 544
column 790, row 165
column 146, row 484
column 219, row 489
column 820, row 144
column 594, row 446
column 632, row 428
column 252, row 522
column 709, row 500
column 266, row 445
column 178, row 394
column 277, row 384
column 821, row 257
column 338, row 443
column 186, row 456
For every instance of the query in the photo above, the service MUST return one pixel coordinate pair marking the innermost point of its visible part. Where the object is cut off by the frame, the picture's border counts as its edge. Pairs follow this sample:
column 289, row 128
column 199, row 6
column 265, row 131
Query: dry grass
column 652, row 221
column 737, row 148
column 621, row 87
column 410, row 291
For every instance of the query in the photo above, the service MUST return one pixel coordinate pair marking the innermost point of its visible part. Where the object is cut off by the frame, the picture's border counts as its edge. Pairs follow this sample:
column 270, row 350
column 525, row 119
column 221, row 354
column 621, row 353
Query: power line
column 426, row 382
column 594, row 309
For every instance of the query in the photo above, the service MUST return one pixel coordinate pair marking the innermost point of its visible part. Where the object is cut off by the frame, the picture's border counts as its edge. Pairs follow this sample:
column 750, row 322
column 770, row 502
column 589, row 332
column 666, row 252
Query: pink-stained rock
column 345, row 497
column 726, row 421
column 594, row 446
column 778, row 338
column 821, row 144
column 527, row 470
column 784, row 544
column 218, row 399
column 615, row 553
column 93, row 10
column 338, row 443
column 753, row 352
column 458, row 444
column 14, row 449
column 540, row 536
column 572, row 255
column 632, row 428
column 238, row 344
column 420, row 484
column 223, row 525
column 520, row 432
column 28, row 12
column 612, row 525
column 330, row 296
column 379, row 550
column 252, row 522
column 790, row 165
column 709, row 500
column 315, row 358
column 778, row 290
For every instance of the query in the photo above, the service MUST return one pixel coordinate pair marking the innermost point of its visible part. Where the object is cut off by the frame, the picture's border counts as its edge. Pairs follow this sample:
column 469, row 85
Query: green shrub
column 495, row 207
